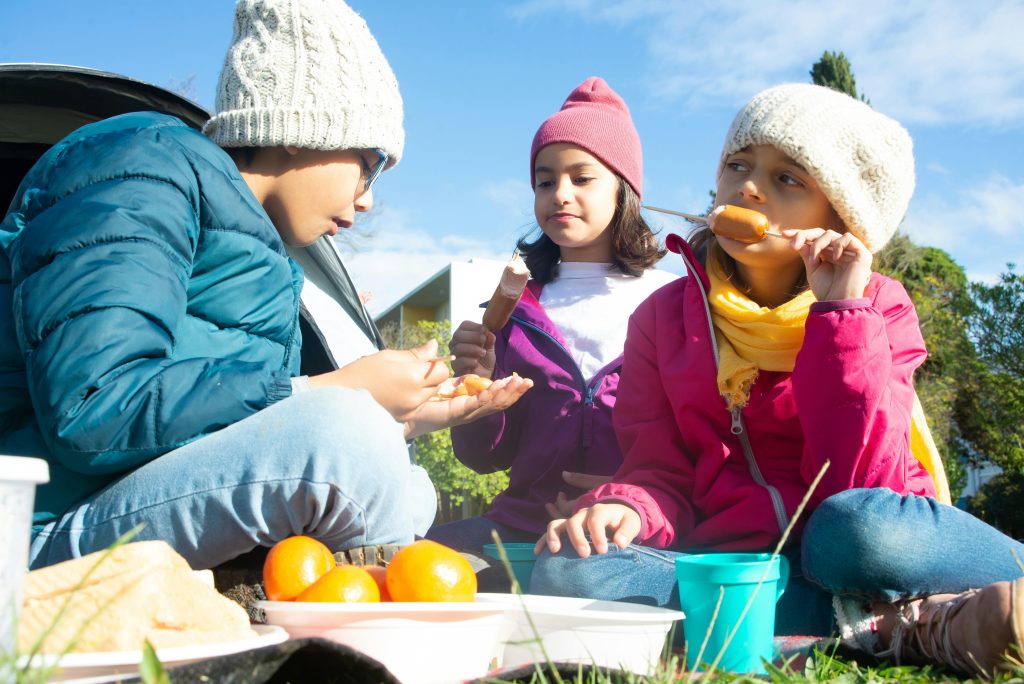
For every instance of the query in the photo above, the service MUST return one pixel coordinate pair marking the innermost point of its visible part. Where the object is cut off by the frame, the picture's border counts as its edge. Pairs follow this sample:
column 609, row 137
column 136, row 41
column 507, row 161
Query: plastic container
column 19, row 476
column 609, row 634
column 733, row 576
column 520, row 557
column 420, row 643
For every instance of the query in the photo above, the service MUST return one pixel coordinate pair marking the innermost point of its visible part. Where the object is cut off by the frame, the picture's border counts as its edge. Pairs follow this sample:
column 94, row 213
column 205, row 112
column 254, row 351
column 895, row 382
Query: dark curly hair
column 634, row 245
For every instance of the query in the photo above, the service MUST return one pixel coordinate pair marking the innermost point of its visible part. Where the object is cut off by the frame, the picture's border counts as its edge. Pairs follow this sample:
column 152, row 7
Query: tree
column 834, row 71
column 461, row 491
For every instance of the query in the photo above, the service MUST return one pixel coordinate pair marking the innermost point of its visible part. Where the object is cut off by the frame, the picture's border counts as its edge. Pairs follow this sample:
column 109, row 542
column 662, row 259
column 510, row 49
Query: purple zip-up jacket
column 562, row 423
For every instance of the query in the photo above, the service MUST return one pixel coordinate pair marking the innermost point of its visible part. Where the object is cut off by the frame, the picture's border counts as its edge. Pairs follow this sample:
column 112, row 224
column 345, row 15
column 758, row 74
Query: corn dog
column 506, row 295
column 743, row 225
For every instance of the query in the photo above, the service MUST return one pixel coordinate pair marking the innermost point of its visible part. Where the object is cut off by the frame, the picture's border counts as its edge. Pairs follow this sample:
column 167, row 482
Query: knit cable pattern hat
column 597, row 119
column 862, row 160
column 309, row 74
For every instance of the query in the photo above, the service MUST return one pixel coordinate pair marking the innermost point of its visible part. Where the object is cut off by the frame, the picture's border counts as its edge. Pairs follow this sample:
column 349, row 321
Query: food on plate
column 138, row 591
column 506, row 295
column 293, row 565
column 428, row 571
column 343, row 584
column 740, row 224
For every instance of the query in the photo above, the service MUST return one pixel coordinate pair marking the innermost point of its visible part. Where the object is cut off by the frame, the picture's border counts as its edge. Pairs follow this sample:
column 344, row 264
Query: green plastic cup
column 702, row 578
column 520, row 556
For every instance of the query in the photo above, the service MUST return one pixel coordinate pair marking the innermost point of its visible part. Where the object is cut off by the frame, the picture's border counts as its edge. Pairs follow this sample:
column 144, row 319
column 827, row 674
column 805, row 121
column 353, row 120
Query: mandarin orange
column 343, row 584
column 379, row 574
column 428, row 571
column 292, row 565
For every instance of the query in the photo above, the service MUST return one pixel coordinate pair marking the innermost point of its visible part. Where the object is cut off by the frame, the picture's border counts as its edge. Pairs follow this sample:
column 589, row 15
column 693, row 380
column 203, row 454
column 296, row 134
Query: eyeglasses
column 371, row 174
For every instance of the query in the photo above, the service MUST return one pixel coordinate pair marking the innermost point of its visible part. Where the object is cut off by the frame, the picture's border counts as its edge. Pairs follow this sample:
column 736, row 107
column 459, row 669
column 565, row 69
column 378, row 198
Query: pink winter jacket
column 702, row 477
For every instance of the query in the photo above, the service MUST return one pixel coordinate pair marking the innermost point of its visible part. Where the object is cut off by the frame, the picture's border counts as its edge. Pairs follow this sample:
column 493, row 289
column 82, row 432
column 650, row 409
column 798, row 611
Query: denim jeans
column 328, row 463
column 471, row 534
column 863, row 543
column 875, row 544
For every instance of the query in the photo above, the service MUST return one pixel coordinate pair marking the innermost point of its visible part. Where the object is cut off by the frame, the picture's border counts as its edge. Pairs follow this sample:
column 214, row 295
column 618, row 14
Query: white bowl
column 420, row 643
column 610, row 634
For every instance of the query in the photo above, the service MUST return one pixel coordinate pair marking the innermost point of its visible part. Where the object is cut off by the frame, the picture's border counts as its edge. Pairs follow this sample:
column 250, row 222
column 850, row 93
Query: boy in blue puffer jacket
column 162, row 351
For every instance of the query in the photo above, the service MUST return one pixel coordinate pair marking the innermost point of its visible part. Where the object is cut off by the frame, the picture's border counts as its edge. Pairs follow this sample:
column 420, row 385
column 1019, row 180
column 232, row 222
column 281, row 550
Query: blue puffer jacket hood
column 146, row 300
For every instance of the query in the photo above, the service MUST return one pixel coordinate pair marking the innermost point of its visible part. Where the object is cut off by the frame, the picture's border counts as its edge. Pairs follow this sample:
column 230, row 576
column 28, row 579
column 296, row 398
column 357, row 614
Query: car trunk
column 41, row 103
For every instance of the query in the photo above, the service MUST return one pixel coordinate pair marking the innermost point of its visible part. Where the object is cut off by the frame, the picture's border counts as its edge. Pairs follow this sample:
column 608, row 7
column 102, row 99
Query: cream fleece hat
column 306, row 73
column 861, row 159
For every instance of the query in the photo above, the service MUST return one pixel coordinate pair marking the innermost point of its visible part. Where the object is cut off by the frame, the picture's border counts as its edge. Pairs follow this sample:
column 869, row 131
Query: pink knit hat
column 597, row 119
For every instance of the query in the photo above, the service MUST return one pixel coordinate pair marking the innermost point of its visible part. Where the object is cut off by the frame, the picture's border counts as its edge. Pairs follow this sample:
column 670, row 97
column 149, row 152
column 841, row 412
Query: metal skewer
column 694, row 217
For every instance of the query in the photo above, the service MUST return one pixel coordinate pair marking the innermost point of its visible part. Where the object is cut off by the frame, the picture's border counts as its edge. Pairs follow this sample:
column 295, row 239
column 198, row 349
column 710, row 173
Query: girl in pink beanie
column 591, row 265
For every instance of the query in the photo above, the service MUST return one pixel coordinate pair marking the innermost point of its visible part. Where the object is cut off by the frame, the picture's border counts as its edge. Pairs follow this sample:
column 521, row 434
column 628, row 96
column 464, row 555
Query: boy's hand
column 473, row 347
column 435, row 415
column 838, row 264
column 400, row 381
column 623, row 520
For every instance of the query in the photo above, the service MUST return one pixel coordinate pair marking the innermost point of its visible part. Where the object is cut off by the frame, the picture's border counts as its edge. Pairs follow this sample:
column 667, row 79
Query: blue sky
column 478, row 78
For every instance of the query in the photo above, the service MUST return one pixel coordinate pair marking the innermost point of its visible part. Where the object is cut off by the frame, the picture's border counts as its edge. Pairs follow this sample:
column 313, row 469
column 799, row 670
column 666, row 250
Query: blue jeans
column 471, row 534
column 874, row 544
column 328, row 463
column 863, row 543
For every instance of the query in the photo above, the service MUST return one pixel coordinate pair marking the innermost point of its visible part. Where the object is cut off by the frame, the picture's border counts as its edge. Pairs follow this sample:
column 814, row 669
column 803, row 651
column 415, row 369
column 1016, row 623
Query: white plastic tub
column 420, row 643
column 609, row 634
column 18, row 479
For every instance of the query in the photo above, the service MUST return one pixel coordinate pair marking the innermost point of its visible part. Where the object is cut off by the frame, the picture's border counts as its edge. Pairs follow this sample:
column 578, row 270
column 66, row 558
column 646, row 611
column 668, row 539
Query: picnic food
column 343, row 584
column 118, row 599
column 506, row 295
column 293, row 565
column 740, row 224
column 428, row 571
column 462, row 386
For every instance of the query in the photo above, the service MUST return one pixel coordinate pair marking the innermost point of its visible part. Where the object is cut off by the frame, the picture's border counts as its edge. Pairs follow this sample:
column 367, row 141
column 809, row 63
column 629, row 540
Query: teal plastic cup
column 734, row 576
column 520, row 557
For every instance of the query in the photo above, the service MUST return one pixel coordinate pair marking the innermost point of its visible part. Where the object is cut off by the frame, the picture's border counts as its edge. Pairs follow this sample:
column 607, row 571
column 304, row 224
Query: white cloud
column 922, row 61
column 513, row 197
column 399, row 255
column 981, row 226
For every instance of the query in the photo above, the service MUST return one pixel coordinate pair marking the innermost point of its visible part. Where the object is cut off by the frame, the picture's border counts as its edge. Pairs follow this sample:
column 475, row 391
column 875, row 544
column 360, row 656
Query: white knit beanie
column 309, row 74
column 862, row 160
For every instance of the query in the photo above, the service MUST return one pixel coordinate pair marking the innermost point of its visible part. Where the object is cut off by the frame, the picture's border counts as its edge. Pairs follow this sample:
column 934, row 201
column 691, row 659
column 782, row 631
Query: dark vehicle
column 41, row 103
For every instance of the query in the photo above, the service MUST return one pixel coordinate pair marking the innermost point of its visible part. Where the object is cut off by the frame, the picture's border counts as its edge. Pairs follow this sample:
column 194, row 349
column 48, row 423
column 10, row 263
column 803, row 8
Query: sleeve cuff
column 840, row 305
column 300, row 384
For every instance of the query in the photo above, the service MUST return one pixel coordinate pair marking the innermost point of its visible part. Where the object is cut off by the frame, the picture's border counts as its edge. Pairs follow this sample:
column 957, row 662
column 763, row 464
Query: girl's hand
column 400, row 381
column 596, row 520
column 563, row 506
column 473, row 347
column 435, row 415
column 838, row 264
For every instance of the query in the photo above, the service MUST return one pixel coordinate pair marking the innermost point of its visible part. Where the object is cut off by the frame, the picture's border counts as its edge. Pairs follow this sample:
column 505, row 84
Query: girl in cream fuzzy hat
column 780, row 353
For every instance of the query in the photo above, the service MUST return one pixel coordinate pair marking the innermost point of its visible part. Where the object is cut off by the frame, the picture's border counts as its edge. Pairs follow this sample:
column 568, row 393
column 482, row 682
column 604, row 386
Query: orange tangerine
column 379, row 574
column 428, row 571
column 292, row 565
column 343, row 584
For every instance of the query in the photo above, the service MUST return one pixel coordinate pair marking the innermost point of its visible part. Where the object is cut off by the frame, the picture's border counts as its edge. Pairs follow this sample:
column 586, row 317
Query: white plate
column 309, row 614
column 110, row 666
column 420, row 643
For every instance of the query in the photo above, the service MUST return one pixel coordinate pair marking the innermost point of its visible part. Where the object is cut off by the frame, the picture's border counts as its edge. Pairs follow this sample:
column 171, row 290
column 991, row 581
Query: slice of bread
column 142, row 590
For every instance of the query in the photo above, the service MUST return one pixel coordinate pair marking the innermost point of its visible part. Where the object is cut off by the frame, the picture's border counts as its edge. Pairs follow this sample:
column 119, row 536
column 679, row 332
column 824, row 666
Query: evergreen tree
column 833, row 70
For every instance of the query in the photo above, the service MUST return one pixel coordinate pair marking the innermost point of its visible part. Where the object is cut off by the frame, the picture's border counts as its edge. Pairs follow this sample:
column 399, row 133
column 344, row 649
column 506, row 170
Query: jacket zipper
column 589, row 390
column 737, row 427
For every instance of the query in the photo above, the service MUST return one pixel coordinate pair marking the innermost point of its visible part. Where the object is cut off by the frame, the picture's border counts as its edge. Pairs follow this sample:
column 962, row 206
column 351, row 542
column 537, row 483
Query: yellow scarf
column 752, row 337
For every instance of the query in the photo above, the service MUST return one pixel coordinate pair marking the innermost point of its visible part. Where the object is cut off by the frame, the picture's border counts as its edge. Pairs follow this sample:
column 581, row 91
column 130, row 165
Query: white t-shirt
column 590, row 304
